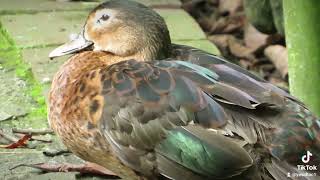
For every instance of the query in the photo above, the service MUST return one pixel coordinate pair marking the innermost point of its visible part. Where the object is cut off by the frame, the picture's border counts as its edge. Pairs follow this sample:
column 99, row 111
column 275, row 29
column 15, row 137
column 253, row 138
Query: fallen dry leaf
column 278, row 55
column 221, row 41
column 278, row 82
column 228, row 24
column 245, row 64
column 206, row 22
column 239, row 50
column 234, row 25
column 229, row 7
column 87, row 168
column 21, row 142
column 253, row 38
column 275, row 39
column 219, row 25
column 36, row 138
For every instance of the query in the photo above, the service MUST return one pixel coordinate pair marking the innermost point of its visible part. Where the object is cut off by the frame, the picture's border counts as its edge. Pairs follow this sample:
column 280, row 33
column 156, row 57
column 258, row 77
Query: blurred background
column 277, row 39
column 249, row 33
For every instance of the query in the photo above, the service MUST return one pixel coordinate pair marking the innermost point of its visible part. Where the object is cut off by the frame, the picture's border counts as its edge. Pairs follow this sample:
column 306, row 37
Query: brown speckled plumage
column 75, row 89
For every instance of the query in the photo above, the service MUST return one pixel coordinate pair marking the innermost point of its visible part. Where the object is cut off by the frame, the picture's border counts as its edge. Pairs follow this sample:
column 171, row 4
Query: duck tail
column 295, row 145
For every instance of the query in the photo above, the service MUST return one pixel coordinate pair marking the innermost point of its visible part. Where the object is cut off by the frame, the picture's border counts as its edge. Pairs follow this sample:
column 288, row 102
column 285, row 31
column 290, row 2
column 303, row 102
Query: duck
column 142, row 107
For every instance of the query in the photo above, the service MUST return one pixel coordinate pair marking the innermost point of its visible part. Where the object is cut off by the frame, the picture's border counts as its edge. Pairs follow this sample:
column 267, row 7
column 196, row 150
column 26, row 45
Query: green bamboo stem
column 302, row 27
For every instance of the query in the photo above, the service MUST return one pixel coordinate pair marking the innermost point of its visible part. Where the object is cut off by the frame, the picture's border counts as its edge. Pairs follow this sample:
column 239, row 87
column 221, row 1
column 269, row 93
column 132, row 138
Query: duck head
column 122, row 28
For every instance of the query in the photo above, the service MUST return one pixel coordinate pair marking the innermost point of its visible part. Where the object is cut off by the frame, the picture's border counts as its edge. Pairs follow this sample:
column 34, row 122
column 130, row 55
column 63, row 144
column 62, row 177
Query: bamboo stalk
column 302, row 29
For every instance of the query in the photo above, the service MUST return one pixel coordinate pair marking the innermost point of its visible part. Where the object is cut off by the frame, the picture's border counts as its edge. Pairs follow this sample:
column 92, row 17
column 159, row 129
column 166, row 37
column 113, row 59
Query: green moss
column 12, row 59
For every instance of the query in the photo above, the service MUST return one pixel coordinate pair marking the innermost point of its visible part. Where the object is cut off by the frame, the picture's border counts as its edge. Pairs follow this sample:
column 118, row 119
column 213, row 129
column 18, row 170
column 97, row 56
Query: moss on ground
column 12, row 59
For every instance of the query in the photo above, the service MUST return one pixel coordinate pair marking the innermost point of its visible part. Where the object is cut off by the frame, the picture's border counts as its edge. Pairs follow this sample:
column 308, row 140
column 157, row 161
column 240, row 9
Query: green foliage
column 265, row 15
column 11, row 59
column 277, row 14
column 259, row 13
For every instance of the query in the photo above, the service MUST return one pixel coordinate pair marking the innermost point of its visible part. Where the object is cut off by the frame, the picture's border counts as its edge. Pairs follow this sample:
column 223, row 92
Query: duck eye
column 104, row 17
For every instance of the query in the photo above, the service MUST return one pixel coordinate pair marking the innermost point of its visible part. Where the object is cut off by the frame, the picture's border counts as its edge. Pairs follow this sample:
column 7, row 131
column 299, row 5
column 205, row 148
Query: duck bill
column 75, row 45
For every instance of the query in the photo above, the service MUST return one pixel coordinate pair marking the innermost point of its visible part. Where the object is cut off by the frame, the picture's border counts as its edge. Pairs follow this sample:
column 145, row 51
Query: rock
column 13, row 100
column 4, row 116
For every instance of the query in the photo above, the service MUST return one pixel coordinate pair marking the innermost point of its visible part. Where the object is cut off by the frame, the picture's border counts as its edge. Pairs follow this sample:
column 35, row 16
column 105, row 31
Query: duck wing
column 148, row 105
column 288, row 128
column 160, row 117
column 229, row 73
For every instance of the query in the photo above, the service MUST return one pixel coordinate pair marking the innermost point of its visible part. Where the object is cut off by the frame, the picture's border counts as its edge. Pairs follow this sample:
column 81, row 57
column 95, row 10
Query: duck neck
column 152, row 53
column 87, row 61
column 72, row 72
column 155, row 51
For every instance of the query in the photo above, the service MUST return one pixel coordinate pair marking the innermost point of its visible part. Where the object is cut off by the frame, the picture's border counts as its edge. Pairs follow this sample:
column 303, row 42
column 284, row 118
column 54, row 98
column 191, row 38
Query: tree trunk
column 302, row 27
